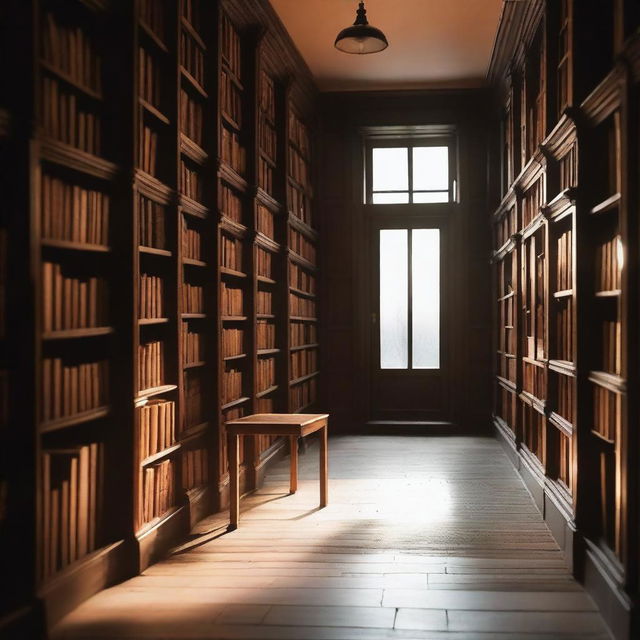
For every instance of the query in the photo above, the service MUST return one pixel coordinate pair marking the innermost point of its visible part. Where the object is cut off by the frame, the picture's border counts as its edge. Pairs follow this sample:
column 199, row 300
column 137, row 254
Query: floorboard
column 424, row 538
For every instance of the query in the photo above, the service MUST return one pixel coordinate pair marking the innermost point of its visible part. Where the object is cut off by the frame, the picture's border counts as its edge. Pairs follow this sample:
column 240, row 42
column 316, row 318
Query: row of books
column 149, row 78
column 298, row 133
column 230, row 204
column 230, row 414
column 265, row 176
column 152, row 13
column 192, row 298
column 150, row 365
column 564, row 261
column 72, row 302
column 264, row 302
column 195, row 468
column 564, row 329
column 265, row 334
column 231, row 252
column 157, row 427
column 230, row 45
column 299, row 169
column 301, row 333
column 232, row 152
column 72, row 51
column 71, row 505
column 265, row 373
column 302, row 307
column 232, row 342
column 72, row 213
column 566, row 398
column 300, row 245
column 65, row 120
column 507, row 407
column 192, row 57
column 303, row 394
column 267, row 97
column 506, row 267
column 608, row 265
column 611, row 347
column 230, row 99
column 607, row 412
column 191, row 242
column 151, row 223
column 264, row 263
column 532, row 201
column 301, row 279
column 534, row 380
column 195, row 391
column 298, row 204
column 190, row 182
column 193, row 345
column 158, row 490
column 564, row 459
column 266, row 404
column 568, row 166
column 504, row 228
column 151, row 296
column 267, row 139
column 303, row 362
column 536, row 121
column 70, row 389
column 148, row 150
column 265, row 221
column 231, row 385
column 533, row 430
column 191, row 117
column 231, row 301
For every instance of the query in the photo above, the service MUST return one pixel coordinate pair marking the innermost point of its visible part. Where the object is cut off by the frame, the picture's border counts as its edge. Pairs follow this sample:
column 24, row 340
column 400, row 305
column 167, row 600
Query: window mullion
column 410, row 300
column 410, row 167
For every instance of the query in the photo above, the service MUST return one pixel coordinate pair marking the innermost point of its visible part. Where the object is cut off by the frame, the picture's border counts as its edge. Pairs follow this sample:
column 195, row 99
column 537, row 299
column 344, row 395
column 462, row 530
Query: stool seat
column 293, row 425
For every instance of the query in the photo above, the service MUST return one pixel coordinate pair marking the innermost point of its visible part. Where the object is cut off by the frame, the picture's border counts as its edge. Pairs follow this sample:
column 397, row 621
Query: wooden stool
column 293, row 425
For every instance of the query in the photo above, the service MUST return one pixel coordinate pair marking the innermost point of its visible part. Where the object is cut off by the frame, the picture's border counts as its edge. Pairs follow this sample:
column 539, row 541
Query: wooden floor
column 422, row 538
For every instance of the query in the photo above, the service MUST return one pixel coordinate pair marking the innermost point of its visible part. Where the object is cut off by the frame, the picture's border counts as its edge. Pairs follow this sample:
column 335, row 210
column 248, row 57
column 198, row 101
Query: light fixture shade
column 361, row 37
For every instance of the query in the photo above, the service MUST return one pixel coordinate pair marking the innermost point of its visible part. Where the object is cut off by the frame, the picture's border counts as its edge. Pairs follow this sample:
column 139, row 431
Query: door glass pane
column 391, row 198
column 394, row 299
column 391, row 169
column 431, row 196
column 425, row 273
column 431, row 169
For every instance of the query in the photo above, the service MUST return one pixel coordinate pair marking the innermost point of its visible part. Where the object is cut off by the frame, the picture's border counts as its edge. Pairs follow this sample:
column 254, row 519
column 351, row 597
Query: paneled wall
column 565, row 280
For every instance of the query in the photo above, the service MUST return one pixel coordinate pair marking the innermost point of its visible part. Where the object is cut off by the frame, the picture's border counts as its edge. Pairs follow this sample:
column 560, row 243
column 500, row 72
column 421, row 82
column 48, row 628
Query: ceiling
column 432, row 43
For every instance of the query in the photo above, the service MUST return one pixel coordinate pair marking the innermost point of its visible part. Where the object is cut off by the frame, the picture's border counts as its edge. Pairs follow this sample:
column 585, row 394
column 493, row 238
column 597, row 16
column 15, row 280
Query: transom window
column 409, row 174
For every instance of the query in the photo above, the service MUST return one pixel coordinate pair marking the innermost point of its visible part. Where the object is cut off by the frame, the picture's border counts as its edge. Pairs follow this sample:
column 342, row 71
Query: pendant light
column 361, row 37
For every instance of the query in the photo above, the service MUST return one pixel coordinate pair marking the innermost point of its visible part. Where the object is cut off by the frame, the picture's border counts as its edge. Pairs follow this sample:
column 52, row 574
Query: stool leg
column 324, row 468
column 234, row 488
column 293, row 472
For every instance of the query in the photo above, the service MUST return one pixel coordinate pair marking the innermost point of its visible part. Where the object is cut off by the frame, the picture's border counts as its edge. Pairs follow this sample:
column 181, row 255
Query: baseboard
column 154, row 542
column 602, row 579
column 600, row 575
column 201, row 505
column 81, row 580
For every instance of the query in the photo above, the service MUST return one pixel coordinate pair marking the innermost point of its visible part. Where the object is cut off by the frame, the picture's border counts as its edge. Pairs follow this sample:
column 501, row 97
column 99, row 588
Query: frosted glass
column 431, row 168
column 425, row 273
column 391, row 198
column 394, row 299
column 431, row 196
column 391, row 169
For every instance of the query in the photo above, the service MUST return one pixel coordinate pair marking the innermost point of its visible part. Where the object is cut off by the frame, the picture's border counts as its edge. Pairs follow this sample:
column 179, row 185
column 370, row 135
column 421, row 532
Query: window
column 411, row 174
column 409, row 298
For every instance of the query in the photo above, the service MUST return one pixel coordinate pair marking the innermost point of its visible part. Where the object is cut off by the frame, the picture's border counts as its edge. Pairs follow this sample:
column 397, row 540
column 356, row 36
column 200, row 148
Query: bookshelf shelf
column 609, row 381
column 193, row 432
column 303, row 294
column 165, row 453
column 154, row 391
column 152, row 321
column 152, row 37
column 190, row 29
column 234, row 318
column 266, row 280
column 74, row 420
column 236, row 357
column 192, row 150
column 155, row 252
column 234, row 403
column 314, row 345
column 230, row 121
column 193, row 82
column 73, row 158
column 612, row 293
column 70, row 334
column 70, row 81
column 267, row 352
column 303, row 319
column 565, row 293
column 156, row 113
column 69, row 245
column 609, row 205
column 194, row 263
column 266, row 392
column 230, row 175
column 302, row 379
column 303, row 262
column 232, row 273
column 193, row 316
column 195, row 365
column 265, row 316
